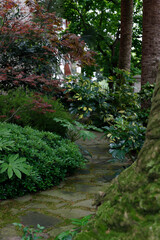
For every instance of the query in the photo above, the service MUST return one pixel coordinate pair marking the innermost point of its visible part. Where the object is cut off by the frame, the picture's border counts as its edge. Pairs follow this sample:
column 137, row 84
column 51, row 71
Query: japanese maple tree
column 32, row 45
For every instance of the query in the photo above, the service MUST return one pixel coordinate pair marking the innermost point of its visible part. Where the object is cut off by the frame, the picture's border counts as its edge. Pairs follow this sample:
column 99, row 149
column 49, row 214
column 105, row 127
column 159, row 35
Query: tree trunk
column 151, row 40
column 126, row 34
column 150, row 44
column 131, row 206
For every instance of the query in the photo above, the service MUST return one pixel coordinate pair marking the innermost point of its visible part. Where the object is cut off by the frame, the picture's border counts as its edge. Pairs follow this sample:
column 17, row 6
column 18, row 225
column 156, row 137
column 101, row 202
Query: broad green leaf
column 10, row 172
column 4, row 167
column 12, row 158
column 18, row 173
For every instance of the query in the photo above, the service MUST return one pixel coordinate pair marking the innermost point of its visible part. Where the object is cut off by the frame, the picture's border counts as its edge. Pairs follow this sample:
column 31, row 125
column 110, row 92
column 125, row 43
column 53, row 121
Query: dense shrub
column 126, row 138
column 86, row 98
column 49, row 156
column 33, row 109
column 101, row 101
column 145, row 97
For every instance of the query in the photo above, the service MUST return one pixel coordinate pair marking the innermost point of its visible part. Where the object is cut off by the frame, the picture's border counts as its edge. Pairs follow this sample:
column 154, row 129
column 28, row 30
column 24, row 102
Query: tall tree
column 126, row 34
column 151, row 40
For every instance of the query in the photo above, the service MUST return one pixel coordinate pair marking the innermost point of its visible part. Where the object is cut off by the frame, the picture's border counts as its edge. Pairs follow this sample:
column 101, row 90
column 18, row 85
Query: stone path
column 73, row 198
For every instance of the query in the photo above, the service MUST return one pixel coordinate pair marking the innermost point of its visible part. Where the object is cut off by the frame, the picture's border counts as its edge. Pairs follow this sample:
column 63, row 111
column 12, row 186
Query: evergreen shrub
column 49, row 156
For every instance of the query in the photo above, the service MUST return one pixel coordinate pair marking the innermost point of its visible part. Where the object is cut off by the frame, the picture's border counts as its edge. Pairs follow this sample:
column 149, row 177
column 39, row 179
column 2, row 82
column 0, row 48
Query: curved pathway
column 73, row 198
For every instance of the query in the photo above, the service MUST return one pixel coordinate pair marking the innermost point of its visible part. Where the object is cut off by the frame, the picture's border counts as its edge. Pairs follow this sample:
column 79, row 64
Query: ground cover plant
column 32, row 160
column 79, row 223
column 30, row 233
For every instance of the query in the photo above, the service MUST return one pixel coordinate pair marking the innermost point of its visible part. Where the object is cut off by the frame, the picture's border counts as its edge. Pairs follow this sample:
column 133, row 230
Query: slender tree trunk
column 151, row 40
column 126, row 34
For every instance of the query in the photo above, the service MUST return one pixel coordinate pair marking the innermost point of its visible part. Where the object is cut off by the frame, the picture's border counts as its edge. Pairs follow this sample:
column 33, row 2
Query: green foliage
column 5, row 143
column 99, row 27
column 98, row 23
column 69, row 234
column 32, row 109
column 49, row 156
column 122, row 96
column 126, row 138
column 14, row 164
column 94, row 102
column 29, row 233
column 86, row 98
column 77, row 130
column 145, row 96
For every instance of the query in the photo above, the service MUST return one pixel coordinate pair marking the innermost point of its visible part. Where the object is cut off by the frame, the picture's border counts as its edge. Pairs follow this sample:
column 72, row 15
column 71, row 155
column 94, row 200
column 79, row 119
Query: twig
column 12, row 115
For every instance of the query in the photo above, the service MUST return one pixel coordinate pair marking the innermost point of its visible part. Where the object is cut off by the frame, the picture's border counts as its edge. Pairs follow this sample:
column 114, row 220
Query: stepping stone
column 71, row 213
column 87, row 188
column 87, row 203
column 60, row 205
column 83, row 171
column 14, row 211
column 5, row 202
column 9, row 233
column 47, row 200
column 64, row 195
column 34, row 218
column 36, row 206
column 24, row 199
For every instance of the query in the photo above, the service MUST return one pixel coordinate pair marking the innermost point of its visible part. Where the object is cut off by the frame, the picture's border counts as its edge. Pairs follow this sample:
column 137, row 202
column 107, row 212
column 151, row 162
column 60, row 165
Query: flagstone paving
column 73, row 198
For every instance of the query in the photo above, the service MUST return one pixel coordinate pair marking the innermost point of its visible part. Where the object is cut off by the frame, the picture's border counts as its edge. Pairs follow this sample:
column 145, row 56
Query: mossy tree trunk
column 131, row 208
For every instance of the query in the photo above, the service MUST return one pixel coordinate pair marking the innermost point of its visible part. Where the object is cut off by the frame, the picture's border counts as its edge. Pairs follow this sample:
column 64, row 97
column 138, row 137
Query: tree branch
column 12, row 115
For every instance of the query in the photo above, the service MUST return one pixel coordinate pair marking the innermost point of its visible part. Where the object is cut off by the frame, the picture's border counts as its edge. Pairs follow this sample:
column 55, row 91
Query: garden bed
column 35, row 160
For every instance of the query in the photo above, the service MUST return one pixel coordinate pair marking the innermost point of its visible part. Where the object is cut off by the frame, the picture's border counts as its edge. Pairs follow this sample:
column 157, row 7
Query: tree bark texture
column 126, row 34
column 151, row 40
column 131, row 204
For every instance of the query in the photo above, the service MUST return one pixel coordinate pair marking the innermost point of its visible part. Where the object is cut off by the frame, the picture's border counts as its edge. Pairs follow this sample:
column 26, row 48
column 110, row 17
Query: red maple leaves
column 38, row 32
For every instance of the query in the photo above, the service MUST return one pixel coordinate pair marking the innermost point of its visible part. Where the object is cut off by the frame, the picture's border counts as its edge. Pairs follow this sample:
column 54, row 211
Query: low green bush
column 33, row 109
column 126, row 138
column 47, row 157
column 95, row 101
column 86, row 98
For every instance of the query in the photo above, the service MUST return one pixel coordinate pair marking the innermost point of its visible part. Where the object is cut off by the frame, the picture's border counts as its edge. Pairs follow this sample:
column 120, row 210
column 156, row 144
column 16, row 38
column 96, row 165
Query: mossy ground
column 128, row 211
